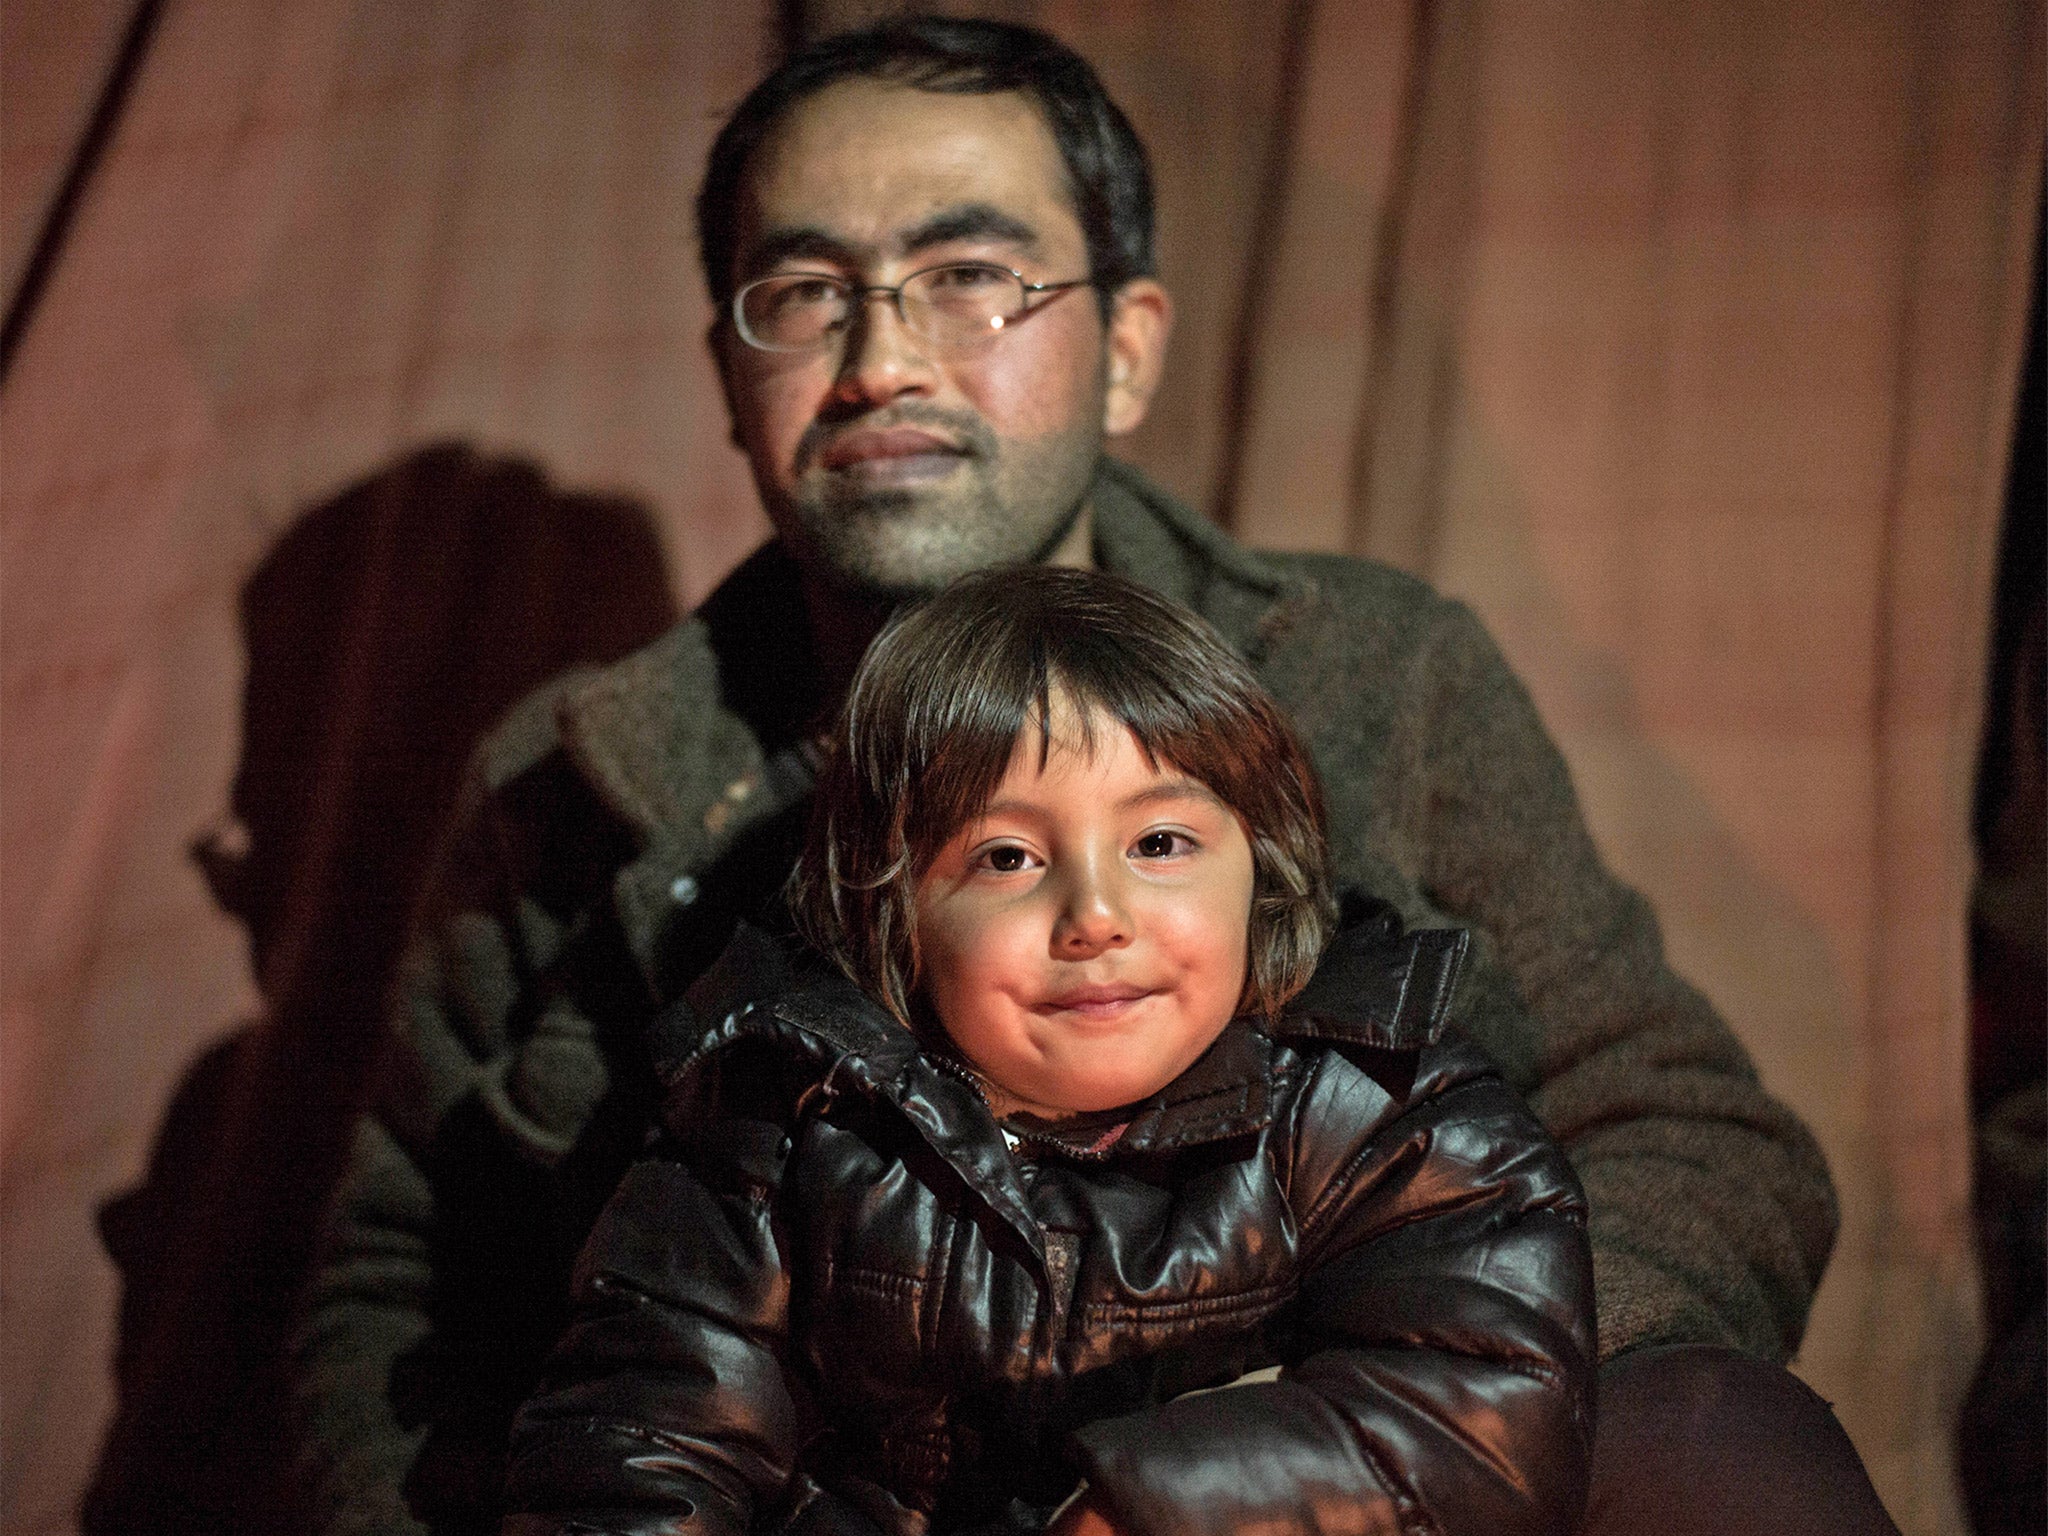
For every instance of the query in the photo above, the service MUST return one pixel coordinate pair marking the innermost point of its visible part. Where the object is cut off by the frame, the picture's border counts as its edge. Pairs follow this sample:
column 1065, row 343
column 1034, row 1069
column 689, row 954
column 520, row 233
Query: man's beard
column 1006, row 504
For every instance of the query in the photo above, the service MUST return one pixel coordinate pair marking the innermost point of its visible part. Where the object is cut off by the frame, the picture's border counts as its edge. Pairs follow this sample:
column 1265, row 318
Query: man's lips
column 873, row 444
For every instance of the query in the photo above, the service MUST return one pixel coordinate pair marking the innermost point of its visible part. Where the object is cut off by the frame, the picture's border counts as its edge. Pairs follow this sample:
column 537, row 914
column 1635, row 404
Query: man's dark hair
column 946, row 692
column 1107, row 174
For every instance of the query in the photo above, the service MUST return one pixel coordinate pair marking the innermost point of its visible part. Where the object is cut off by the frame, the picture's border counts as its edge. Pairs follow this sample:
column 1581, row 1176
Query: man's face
column 889, row 465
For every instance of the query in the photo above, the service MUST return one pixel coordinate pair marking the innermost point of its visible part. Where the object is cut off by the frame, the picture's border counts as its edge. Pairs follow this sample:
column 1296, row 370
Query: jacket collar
column 763, row 990
column 682, row 742
column 1143, row 533
column 727, row 670
column 1378, row 987
column 1227, row 1092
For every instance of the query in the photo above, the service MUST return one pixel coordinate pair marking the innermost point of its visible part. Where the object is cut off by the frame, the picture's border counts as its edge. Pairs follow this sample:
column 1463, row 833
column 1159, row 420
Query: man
column 929, row 245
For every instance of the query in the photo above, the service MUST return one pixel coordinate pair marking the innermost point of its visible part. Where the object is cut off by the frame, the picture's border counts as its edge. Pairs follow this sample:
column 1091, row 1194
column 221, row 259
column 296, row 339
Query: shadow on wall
column 385, row 633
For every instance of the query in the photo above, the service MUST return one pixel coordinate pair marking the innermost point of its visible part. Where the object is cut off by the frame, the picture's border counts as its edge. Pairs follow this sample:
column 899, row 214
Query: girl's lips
column 1096, row 1002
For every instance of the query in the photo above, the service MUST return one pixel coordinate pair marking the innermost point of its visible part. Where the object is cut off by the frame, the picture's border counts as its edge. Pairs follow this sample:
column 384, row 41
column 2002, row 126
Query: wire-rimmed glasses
column 954, row 304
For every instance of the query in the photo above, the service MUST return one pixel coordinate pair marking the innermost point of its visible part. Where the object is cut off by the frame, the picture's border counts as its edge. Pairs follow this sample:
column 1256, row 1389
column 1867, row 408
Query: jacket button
column 683, row 890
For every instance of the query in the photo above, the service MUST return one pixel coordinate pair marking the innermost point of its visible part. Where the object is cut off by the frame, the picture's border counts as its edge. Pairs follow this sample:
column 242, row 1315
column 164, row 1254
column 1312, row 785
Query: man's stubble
column 1009, row 503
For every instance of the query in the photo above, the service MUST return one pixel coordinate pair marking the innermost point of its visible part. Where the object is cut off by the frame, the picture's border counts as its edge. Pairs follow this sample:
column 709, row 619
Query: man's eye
column 963, row 279
column 798, row 293
column 1162, row 845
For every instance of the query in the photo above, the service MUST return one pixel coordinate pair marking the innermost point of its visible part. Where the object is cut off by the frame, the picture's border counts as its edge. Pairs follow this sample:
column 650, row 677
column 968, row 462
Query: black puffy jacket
column 835, row 1300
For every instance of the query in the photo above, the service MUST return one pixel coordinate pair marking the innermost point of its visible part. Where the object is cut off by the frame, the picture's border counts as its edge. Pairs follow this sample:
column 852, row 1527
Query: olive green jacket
column 621, row 819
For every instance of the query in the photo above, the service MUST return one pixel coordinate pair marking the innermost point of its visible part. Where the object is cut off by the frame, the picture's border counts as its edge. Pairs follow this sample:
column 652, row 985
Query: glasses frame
column 858, row 295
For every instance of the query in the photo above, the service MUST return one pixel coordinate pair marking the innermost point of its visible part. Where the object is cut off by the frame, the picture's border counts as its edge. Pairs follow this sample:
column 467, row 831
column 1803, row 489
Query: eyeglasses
column 954, row 305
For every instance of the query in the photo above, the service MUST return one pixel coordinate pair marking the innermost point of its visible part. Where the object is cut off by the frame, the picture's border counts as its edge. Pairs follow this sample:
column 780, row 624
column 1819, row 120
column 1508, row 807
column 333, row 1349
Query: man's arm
column 1712, row 1212
column 459, row 1169
column 367, row 1309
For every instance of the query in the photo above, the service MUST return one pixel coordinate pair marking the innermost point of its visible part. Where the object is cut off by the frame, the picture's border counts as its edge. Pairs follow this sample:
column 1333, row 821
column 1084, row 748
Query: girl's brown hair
column 935, row 712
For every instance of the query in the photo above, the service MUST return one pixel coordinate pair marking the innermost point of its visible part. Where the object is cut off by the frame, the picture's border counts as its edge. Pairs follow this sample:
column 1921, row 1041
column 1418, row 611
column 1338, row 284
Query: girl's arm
column 1439, row 1360
column 666, row 1399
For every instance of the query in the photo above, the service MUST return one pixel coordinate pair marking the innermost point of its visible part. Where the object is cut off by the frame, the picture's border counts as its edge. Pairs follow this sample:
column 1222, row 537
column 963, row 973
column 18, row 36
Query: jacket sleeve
column 417, row 1322
column 366, row 1310
column 1439, row 1360
column 664, row 1410
column 1712, row 1211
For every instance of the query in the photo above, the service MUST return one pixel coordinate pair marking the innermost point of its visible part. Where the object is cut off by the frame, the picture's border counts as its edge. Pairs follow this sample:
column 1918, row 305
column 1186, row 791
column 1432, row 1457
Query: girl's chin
column 1092, row 1099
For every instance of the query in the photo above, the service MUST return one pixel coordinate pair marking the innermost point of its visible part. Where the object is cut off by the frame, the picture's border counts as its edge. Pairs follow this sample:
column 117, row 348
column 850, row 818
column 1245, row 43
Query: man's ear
column 718, row 337
column 1140, row 320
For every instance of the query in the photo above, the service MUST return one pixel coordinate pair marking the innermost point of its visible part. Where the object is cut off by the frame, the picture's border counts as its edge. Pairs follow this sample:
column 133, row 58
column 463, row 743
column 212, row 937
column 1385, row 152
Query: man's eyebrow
column 803, row 241
column 970, row 221
column 964, row 221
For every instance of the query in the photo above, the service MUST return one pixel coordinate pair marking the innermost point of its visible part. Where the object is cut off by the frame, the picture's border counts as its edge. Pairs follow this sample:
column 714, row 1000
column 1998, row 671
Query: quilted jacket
column 837, row 1301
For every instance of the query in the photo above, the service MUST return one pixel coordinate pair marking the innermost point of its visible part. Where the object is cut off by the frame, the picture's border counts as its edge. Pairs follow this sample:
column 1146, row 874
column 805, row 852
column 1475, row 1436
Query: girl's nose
column 1093, row 918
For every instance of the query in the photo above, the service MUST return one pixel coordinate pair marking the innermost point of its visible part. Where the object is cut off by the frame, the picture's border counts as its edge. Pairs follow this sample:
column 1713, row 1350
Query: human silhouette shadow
column 385, row 632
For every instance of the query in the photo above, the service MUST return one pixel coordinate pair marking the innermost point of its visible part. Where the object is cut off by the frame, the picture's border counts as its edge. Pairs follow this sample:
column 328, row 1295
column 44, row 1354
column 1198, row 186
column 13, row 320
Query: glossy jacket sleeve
column 664, row 1408
column 1440, row 1357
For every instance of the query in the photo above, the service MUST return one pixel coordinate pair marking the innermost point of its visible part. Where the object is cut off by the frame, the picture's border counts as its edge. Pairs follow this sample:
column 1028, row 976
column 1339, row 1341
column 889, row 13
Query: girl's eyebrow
column 1172, row 789
column 1151, row 794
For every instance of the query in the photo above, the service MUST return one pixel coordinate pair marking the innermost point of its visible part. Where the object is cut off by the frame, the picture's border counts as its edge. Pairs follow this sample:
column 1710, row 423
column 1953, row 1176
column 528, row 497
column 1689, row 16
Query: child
column 951, row 1245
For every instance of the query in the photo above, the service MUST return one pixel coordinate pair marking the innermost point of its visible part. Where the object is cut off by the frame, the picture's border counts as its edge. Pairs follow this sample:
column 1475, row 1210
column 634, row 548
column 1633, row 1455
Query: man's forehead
column 873, row 170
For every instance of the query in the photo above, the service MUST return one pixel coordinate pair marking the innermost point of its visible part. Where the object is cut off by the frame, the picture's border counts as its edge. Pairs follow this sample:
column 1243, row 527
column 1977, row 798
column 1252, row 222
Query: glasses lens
column 788, row 314
column 968, row 301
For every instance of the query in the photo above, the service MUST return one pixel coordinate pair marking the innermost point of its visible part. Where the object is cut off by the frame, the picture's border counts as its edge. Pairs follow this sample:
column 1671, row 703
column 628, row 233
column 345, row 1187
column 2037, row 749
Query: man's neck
column 842, row 624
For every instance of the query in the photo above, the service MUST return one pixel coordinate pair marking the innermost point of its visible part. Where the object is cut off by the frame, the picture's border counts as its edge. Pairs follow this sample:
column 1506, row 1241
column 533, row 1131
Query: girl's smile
column 1084, row 940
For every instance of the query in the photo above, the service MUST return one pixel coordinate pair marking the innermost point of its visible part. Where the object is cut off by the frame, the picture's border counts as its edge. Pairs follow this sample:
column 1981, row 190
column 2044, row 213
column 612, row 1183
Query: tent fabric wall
column 54, row 66
column 1679, row 340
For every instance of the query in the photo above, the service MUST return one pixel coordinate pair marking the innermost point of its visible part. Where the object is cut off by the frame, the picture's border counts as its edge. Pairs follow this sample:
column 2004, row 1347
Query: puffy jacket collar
column 1377, row 986
column 1227, row 1092
column 759, row 990
column 765, row 991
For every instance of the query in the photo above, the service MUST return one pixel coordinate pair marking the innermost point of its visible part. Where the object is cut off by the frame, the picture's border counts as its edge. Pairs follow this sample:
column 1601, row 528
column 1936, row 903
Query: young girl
column 952, row 1237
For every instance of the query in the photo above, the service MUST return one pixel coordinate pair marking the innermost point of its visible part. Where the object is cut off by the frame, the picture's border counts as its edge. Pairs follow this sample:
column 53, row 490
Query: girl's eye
column 1162, row 845
column 1005, row 859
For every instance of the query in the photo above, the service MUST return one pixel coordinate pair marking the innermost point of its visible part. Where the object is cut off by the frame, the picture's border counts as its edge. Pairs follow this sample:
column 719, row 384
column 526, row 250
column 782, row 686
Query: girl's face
column 1084, row 940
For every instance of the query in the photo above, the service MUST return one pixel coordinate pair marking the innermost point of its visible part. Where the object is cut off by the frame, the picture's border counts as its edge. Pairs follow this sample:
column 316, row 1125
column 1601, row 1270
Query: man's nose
column 884, row 358
column 1095, row 914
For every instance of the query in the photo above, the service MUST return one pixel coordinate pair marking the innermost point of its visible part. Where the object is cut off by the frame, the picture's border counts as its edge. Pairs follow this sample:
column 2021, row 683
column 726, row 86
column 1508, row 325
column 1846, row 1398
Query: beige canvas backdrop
column 1680, row 340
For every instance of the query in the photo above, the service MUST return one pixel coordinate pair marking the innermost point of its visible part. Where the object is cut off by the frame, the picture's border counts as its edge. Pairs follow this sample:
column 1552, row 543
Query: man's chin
column 892, row 576
column 900, row 542
column 889, row 549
